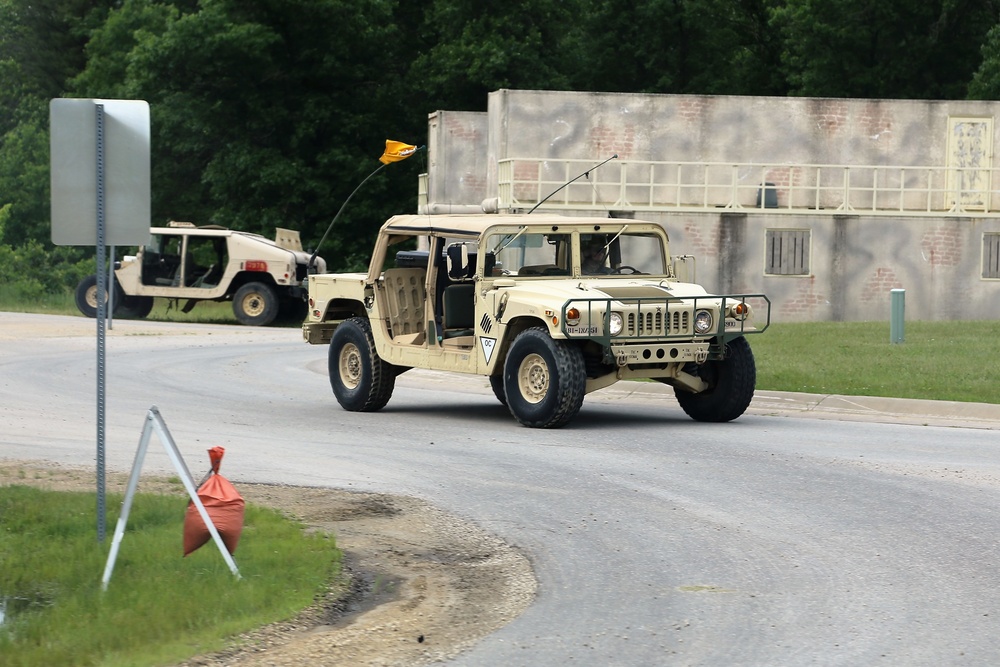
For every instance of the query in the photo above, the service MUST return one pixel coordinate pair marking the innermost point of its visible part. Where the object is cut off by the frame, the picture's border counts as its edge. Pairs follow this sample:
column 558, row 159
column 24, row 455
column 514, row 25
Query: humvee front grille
column 653, row 323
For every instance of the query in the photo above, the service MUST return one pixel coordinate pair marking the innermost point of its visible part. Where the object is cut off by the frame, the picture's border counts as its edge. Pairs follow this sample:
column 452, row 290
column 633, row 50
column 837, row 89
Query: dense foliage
column 269, row 113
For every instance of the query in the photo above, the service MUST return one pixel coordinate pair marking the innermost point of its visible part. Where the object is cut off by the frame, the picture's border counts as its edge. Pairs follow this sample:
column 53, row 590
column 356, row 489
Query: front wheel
column 361, row 380
column 86, row 296
column 496, row 383
column 137, row 306
column 731, row 385
column 544, row 379
column 255, row 304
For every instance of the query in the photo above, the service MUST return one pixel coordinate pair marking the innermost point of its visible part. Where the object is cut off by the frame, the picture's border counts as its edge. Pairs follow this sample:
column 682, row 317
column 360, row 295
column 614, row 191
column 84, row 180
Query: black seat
column 459, row 310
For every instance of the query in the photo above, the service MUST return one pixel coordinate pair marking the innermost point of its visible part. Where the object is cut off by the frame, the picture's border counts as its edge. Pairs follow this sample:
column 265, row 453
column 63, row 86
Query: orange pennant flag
column 396, row 151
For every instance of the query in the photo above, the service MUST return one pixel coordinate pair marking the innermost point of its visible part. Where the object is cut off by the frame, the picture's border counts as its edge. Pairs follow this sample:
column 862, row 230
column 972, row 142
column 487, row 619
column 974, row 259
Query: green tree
column 264, row 113
column 473, row 47
column 884, row 48
column 985, row 84
column 680, row 46
column 24, row 182
column 41, row 47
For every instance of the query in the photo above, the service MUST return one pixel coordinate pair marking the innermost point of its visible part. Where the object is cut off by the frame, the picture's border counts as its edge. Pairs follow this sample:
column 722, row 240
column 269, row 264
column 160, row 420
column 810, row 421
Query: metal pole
column 896, row 317
column 102, row 281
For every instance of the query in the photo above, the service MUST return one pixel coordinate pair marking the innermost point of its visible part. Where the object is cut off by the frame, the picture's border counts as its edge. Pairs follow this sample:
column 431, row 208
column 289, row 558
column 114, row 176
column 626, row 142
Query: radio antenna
column 586, row 173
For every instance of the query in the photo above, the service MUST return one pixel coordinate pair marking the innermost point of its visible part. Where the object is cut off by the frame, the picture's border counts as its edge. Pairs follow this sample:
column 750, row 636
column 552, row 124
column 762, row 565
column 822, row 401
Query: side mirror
column 682, row 268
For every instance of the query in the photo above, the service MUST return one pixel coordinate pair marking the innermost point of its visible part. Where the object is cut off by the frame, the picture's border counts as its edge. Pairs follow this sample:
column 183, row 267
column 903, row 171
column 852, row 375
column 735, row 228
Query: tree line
column 269, row 113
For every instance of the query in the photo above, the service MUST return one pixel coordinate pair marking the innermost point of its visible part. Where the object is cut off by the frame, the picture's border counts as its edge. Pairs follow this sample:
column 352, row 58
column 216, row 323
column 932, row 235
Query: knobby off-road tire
column 544, row 379
column 86, row 296
column 255, row 304
column 732, row 382
column 361, row 380
column 293, row 310
column 136, row 307
column 496, row 382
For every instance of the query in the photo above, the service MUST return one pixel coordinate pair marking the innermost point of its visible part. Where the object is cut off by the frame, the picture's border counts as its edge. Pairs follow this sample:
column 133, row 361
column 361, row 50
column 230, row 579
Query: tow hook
column 700, row 356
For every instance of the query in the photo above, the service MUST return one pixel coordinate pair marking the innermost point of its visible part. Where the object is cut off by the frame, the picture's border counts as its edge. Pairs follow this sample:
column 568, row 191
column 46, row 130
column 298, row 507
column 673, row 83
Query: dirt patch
column 422, row 585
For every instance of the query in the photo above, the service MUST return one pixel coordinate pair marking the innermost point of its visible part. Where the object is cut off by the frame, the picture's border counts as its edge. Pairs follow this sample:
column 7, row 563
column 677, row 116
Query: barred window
column 991, row 255
column 787, row 252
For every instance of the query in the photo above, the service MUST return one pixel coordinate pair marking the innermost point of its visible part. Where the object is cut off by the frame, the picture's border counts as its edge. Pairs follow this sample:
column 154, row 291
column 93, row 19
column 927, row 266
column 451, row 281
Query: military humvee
column 264, row 279
column 548, row 307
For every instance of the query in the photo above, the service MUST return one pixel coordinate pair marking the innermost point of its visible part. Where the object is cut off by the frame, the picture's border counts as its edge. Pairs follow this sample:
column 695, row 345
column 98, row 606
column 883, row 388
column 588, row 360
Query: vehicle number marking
column 489, row 344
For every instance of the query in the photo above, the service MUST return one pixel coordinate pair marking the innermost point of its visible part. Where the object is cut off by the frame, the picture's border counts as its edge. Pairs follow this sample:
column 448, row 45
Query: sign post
column 99, row 155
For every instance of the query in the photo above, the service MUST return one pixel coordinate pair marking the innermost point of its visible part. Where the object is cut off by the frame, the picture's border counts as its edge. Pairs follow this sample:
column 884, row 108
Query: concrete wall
column 703, row 128
column 457, row 161
column 854, row 261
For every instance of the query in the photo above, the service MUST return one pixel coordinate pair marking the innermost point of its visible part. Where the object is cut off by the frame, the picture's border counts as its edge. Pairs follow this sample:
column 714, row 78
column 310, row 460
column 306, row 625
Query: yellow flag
column 396, row 151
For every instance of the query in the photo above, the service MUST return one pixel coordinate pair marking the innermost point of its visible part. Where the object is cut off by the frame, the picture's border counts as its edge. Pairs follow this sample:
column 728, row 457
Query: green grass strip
column 160, row 607
column 953, row 361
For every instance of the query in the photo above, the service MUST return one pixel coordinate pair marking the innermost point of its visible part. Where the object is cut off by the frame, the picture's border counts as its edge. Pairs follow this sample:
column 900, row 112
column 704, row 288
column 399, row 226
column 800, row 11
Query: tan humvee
column 264, row 279
column 548, row 307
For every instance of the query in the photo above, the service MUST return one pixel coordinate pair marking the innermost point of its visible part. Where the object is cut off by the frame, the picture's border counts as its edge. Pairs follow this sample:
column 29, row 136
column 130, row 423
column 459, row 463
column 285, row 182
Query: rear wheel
column 293, row 310
column 86, row 296
column 361, row 380
column 544, row 380
column 255, row 304
column 731, row 385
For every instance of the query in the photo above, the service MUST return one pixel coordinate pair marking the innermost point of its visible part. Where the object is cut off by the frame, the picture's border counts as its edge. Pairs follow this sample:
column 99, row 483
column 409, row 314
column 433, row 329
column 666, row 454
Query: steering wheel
column 632, row 269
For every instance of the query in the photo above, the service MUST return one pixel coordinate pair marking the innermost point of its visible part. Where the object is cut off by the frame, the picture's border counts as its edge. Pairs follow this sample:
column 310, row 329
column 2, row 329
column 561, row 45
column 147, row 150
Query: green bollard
column 896, row 319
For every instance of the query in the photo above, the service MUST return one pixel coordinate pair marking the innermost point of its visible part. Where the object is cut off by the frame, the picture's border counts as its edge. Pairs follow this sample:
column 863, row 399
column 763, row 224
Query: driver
column 593, row 256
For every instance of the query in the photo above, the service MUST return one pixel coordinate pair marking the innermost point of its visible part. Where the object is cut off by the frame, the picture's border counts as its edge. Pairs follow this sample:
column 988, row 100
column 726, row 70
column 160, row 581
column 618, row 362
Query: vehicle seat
column 459, row 310
column 542, row 270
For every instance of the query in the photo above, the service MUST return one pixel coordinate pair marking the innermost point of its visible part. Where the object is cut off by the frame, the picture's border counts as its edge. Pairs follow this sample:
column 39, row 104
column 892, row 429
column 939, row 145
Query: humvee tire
column 544, row 379
column 255, row 304
column 361, row 380
column 137, row 306
column 496, row 382
column 86, row 296
column 732, row 382
column 293, row 310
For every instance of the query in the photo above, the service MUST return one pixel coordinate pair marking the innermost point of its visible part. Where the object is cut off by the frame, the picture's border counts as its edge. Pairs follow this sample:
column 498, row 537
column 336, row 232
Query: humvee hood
column 614, row 289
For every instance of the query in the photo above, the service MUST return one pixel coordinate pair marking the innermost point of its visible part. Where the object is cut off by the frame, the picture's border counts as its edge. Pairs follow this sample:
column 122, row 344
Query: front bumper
column 661, row 330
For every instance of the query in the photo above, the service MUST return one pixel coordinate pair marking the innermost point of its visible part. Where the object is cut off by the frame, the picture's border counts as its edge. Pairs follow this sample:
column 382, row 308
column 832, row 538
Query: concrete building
column 825, row 205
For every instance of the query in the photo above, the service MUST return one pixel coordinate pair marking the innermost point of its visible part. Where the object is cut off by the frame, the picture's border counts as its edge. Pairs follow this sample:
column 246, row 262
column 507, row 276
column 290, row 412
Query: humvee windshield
column 610, row 252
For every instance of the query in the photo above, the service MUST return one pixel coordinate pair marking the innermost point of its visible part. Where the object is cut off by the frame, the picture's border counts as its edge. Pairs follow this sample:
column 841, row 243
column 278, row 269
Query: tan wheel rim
column 533, row 378
column 350, row 366
column 91, row 296
column 253, row 305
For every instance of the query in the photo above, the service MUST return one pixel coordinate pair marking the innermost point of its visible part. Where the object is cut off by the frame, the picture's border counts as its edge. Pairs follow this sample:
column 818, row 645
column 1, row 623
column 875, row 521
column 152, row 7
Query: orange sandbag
column 224, row 505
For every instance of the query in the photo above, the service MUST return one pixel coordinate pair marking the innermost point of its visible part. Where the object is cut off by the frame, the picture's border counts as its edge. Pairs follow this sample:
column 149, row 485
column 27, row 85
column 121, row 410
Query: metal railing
column 742, row 187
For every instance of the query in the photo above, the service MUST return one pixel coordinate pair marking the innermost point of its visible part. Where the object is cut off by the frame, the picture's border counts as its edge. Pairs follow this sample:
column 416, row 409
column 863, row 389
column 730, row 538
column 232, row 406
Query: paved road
column 773, row 540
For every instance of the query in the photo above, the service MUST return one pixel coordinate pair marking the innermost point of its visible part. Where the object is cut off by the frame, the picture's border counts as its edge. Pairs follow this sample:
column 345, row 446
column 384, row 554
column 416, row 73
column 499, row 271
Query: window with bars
column 787, row 252
column 991, row 255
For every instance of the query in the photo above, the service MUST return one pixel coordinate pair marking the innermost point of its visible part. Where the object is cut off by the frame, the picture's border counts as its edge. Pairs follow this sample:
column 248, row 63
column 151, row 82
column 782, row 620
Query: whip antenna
column 394, row 152
column 586, row 173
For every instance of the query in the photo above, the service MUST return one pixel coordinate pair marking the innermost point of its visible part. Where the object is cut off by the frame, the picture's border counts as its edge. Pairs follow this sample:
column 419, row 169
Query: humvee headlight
column 573, row 317
column 702, row 321
column 615, row 324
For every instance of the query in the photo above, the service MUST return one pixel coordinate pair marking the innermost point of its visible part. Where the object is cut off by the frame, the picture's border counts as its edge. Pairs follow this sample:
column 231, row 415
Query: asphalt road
column 772, row 540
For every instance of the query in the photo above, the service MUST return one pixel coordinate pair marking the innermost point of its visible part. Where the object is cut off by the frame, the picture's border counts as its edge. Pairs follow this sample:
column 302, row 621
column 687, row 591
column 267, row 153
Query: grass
column 160, row 607
column 951, row 361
